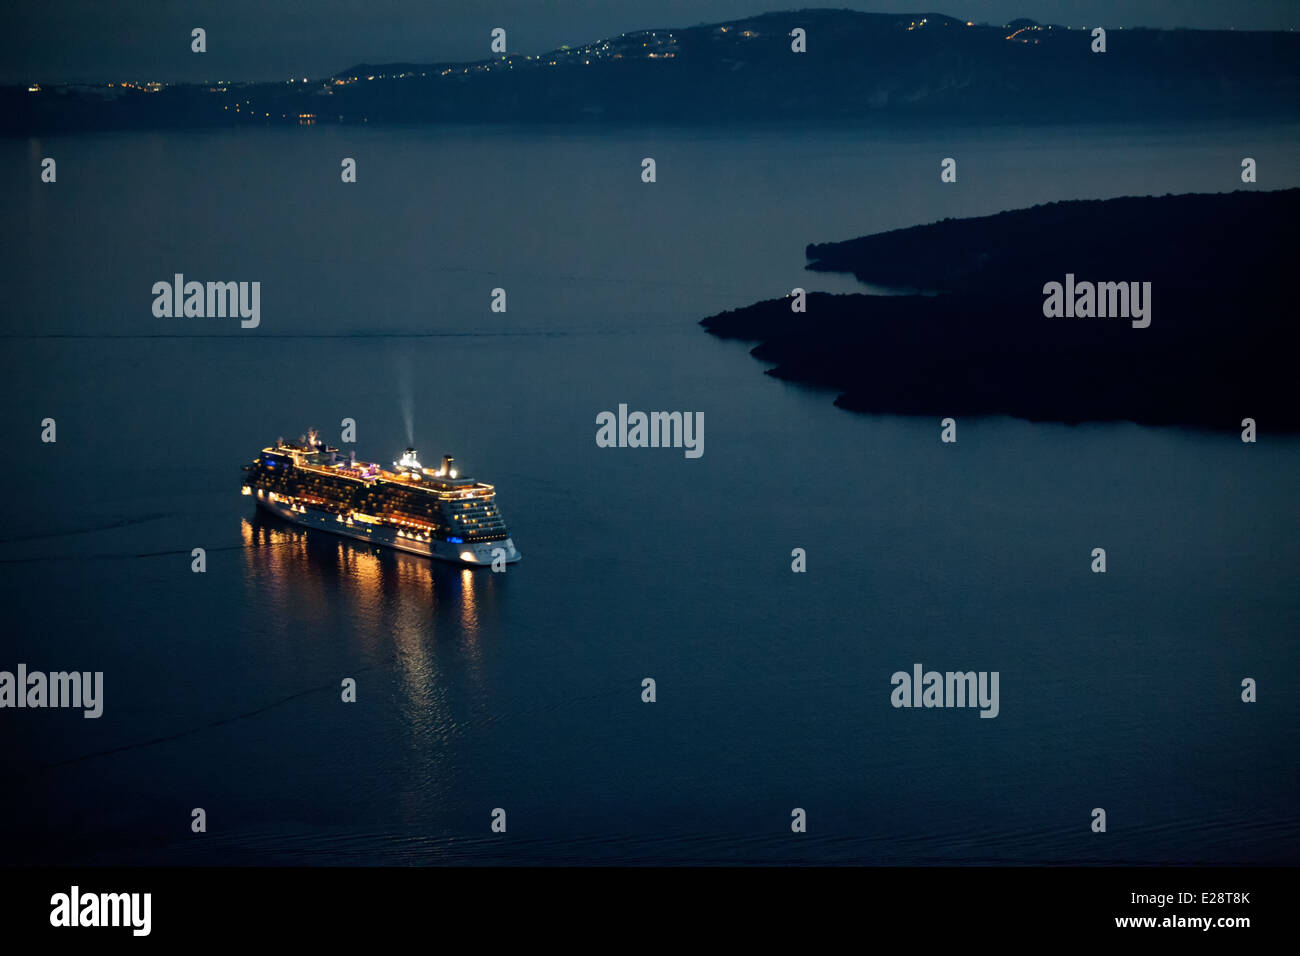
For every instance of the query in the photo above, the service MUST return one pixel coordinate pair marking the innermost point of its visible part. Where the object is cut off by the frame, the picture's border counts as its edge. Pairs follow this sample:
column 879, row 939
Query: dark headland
column 880, row 67
column 1221, row 344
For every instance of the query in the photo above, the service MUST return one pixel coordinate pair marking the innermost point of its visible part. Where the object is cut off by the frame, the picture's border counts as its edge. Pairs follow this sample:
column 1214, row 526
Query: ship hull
column 469, row 553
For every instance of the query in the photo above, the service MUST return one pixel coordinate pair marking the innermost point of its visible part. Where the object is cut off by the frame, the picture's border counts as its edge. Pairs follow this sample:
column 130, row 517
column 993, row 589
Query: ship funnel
column 446, row 466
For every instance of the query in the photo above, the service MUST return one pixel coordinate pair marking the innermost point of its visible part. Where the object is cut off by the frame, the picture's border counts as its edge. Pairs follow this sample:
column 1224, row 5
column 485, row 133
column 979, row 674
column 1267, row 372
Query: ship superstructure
column 434, row 512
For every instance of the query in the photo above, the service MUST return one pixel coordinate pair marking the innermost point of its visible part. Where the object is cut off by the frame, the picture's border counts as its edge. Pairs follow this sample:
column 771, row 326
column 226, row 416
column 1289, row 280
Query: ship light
column 453, row 472
column 245, row 490
column 467, row 556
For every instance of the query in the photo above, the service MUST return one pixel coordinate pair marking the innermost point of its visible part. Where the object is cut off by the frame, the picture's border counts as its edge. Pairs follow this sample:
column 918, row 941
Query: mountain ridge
column 1219, row 346
column 857, row 67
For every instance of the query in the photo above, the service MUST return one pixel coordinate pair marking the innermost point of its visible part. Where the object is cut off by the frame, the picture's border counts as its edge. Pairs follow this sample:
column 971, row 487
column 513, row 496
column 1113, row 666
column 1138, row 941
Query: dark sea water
column 523, row 690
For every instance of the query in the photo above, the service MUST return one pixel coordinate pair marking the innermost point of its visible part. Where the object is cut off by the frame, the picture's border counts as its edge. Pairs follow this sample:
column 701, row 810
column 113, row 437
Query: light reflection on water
column 314, row 581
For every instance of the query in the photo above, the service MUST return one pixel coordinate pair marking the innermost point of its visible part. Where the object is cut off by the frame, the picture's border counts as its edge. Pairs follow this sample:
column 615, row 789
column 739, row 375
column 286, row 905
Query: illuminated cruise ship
column 439, row 513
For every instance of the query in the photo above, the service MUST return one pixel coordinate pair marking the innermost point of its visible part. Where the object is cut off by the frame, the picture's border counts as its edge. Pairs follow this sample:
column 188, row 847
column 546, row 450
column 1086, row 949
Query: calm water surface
column 522, row 690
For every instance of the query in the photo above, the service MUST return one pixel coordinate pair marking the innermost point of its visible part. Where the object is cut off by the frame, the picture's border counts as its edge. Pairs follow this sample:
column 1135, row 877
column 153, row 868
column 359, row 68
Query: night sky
column 60, row 40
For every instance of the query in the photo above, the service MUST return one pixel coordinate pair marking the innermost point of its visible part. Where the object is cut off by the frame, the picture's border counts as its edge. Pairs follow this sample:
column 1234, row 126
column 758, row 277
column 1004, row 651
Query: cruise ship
column 437, row 513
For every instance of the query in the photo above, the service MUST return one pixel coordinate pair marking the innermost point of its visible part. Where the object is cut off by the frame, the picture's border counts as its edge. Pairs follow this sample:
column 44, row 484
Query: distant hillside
column 1220, row 346
column 858, row 66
